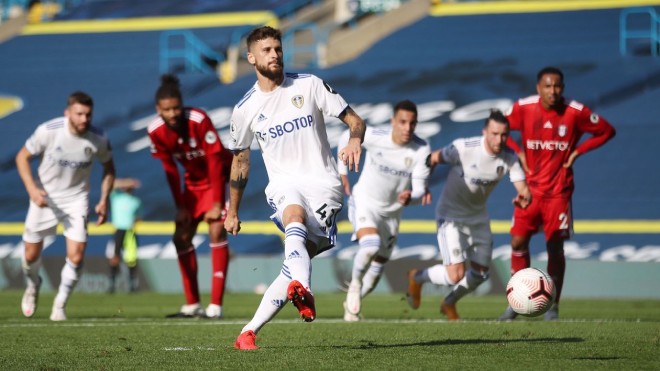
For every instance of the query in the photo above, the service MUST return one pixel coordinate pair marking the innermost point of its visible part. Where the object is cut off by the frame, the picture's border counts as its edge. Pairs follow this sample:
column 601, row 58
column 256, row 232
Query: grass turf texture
column 121, row 331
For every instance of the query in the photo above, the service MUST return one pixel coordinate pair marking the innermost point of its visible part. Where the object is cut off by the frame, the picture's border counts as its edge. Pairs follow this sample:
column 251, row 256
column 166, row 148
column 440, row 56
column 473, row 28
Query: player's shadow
column 372, row 345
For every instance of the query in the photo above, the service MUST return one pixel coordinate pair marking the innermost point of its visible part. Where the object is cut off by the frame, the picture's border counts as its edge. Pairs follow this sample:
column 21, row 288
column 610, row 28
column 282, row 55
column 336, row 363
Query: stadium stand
column 445, row 63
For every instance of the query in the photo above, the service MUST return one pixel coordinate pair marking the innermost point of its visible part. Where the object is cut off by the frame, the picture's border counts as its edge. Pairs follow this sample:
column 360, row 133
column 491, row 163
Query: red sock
column 556, row 269
column 519, row 260
column 188, row 268
column 219, row 263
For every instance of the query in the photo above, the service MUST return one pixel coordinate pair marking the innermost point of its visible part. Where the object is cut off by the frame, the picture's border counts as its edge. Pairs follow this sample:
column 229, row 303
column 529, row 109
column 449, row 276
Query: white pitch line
column 106, row 322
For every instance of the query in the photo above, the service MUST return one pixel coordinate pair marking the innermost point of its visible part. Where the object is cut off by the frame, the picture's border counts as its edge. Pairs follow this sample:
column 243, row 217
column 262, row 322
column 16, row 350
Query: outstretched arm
column 37, row 195
column 214, row 167
column 240, row 169
column 524, row 197
column 174, row 181
column 106, row 187
column 350, row 154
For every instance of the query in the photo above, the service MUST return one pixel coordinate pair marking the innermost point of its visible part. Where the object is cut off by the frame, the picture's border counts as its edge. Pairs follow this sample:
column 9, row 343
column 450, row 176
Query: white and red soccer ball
column 530, row 292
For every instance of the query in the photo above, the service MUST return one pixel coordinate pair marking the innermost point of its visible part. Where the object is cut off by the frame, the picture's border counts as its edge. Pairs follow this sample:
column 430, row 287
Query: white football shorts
column 361, row 215
column 320, row 213
column 42, row 221
column 459, row 242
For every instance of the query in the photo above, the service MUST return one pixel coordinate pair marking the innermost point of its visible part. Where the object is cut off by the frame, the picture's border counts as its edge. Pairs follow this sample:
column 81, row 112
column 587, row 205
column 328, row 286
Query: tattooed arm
column 240, row 168
column 350, row 154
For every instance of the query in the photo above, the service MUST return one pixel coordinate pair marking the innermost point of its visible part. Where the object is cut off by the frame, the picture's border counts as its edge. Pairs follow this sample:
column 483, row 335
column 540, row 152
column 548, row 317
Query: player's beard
column 274, row 75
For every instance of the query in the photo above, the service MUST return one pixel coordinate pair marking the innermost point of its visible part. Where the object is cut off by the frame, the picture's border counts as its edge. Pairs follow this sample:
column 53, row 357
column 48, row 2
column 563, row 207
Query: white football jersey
column 66, row 159
column 288, row 124
column 473, row 175
column 388, row 169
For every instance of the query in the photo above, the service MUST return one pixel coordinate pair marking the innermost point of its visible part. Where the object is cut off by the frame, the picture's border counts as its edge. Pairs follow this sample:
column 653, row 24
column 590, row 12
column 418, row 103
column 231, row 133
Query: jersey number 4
column 326, row 216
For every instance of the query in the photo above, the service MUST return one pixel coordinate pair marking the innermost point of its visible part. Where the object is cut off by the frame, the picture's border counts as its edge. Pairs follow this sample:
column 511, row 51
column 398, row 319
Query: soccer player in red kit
column 187, row 135
column 550, row 128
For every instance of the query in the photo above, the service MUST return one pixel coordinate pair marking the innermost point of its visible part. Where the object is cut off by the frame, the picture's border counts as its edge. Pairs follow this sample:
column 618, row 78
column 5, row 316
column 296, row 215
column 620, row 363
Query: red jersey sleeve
column 515, row 119
column 213, row 148
column 211, row 142
column 158, row 148
column 600, row 129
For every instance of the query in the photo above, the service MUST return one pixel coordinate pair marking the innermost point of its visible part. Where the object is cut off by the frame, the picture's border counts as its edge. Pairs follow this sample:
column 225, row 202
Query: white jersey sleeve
column 37, row 142
column 420, row 175
column 328, row 100
column 241, row 134
column 516, row 172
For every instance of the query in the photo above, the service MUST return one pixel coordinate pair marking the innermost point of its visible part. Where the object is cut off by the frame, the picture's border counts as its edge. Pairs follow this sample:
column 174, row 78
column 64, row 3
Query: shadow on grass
column 371, row 344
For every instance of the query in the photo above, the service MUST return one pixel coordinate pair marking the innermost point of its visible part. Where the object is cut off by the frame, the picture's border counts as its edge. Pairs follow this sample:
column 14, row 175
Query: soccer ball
column 530, row 292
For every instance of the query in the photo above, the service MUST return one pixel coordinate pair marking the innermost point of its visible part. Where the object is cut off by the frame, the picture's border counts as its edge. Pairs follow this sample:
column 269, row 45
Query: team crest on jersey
column 408, row 161
column 88, row 151
column 298, row 101
column 192, row 142
column 210, row 137
column 594, row 118
column 561, row 130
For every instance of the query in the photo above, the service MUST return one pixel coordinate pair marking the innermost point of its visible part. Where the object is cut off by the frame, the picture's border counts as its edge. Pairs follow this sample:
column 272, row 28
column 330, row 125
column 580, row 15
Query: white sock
column 438, row 275
column 469, row 283
column 369, row 246
column 273, row 300
column 297, row 263
column 31, row 271
column 69, row 278
column 372, row 277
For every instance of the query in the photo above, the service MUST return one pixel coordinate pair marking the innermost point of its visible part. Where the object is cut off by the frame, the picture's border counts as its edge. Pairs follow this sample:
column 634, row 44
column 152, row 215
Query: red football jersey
column 190, row 152
column 550, row 136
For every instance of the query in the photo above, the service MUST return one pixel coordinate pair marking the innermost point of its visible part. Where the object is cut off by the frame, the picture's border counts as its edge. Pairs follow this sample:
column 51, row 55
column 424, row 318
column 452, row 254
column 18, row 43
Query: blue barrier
column 647, row 31
column 184, row 45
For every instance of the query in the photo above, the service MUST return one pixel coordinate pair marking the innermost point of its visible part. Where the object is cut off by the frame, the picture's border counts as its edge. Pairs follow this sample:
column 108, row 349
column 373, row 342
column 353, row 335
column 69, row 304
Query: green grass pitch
column 129, row 332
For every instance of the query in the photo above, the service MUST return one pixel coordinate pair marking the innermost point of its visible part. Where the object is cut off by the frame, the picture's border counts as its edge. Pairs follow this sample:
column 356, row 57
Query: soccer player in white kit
column 67, row 146
column 478, row 164
column 284, row 113
column 394, row 175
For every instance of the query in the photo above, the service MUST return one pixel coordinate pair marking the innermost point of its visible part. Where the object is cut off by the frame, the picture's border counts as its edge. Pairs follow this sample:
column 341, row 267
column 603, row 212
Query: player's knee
column 476, row 278
column 555, row 247
column 455, row 275
column 75, row 259
column 381, row 259
column 520, row 243
column 181, row 242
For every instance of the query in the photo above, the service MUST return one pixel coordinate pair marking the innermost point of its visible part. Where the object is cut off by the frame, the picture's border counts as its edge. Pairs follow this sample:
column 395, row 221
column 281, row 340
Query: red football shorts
column 553, row 214
column 199, row 202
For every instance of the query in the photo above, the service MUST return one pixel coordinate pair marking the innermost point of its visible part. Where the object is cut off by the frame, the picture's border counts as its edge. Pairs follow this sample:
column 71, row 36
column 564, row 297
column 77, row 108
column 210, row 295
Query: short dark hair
column 262, row 33
column 169, row 88
column 551, row 71
column 406, row 105
column 497, row 116
column 80, row 98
